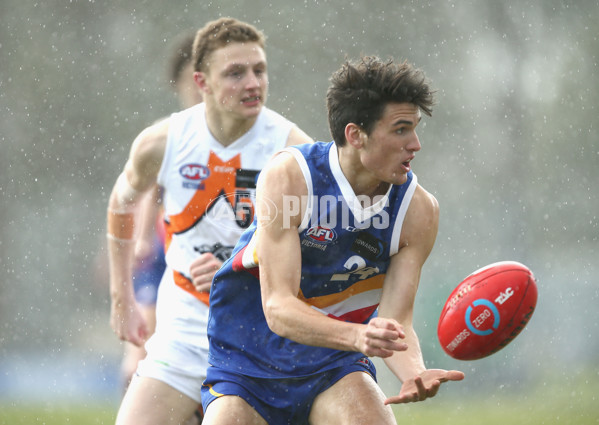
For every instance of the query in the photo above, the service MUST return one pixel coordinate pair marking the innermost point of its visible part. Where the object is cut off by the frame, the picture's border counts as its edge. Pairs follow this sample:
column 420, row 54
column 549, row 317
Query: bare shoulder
column 148, row 148
column 282, row 186
column 424, row 202
column 422, row 221
column 282, row 174
column 298, row 137
column 151, row 142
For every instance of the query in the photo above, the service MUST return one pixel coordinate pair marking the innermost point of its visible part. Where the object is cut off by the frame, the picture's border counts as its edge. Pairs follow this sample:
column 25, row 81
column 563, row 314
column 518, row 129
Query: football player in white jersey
column 206, row 159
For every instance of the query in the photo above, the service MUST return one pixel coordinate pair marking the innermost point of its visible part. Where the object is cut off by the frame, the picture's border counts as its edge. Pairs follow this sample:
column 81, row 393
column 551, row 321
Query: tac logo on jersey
column 321, row 234
column 194, row 172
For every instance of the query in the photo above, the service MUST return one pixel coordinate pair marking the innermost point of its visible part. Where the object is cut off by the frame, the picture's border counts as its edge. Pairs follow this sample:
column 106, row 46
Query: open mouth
column 251, row 100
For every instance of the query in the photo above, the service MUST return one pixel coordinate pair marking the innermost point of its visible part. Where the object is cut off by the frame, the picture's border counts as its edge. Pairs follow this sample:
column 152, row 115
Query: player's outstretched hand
column 424, row 386
column 202, row 270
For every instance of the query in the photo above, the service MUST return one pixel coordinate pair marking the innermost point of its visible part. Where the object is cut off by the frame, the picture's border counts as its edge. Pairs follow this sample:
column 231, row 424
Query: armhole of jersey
column 288, row 126
column 162, row 173
column 308, row 178
column 273, row 121
column 401, row 215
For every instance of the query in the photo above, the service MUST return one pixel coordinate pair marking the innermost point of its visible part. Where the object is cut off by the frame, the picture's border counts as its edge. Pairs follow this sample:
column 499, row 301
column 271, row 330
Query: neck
column 226, row 128
column 362, row 181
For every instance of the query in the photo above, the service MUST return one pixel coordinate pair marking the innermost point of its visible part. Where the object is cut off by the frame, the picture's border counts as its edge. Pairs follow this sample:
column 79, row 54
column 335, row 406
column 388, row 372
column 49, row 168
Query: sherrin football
column 487, row 310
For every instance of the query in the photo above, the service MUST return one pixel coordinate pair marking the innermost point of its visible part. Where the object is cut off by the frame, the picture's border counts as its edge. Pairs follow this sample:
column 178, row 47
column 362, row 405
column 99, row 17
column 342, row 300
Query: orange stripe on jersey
column 375, row 282
column 186, row 284
column 220, row 181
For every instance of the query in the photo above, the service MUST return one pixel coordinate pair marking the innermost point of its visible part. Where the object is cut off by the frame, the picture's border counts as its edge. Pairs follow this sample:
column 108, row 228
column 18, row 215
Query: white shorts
column 178, row 350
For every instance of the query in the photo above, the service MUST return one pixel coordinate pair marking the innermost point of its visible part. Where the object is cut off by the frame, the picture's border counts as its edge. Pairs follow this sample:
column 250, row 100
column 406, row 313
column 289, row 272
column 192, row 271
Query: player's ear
column 200, row 80
column 355, row 136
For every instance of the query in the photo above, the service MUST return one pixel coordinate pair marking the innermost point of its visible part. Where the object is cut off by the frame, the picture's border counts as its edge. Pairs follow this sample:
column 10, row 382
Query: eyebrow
column 407, row 122
column 234, row 66
column 242, row 65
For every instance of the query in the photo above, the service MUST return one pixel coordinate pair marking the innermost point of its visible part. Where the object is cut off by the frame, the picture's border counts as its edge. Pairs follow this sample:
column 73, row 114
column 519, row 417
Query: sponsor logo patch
column 368, row 246
column 482, row 317
column 246, row 178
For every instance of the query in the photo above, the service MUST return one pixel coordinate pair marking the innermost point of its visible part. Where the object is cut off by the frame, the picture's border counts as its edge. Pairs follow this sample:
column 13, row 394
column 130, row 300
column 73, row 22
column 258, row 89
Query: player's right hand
column 202, row 270
column 128, row 323
column 381, row 338
column 424, row 386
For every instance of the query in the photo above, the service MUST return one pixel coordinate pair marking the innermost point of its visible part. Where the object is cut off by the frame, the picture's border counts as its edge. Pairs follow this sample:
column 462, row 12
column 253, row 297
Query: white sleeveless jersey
column 209, row 189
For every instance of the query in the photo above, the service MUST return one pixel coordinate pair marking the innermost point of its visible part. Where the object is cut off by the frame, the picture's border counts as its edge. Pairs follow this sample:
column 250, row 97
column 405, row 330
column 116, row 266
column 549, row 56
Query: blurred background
column 511, row 153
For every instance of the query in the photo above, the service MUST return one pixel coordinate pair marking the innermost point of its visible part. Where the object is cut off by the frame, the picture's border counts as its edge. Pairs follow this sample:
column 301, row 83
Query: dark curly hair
column 359, row 92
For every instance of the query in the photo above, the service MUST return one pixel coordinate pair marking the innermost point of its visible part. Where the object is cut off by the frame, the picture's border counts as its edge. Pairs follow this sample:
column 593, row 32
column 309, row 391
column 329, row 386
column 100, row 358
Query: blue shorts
column 147, row 276
column 278, row 401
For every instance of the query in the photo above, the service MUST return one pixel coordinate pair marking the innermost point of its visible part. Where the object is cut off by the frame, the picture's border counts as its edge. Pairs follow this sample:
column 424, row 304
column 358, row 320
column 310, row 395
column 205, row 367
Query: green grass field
column 573, row 404
column 62, row 414
column 572, row 401
column 502, row 412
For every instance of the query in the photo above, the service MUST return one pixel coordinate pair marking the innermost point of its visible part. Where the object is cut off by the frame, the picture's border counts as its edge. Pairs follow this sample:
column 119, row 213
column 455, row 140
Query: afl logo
column 321, row 234
column 194, row 171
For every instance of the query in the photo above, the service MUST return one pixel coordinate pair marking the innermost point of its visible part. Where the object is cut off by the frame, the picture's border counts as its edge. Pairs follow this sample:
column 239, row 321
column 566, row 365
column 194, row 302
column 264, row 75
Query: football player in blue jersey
column 327, row 275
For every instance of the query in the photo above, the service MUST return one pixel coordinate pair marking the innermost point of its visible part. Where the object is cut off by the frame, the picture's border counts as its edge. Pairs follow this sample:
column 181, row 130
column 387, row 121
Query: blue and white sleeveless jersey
column 346, row 248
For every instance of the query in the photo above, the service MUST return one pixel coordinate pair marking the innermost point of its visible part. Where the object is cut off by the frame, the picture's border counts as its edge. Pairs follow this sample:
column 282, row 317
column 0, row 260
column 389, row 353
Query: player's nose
column 414, row 144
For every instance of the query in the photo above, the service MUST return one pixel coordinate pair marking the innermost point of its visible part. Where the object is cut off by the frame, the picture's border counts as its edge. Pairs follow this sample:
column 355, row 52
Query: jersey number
column 356, row 267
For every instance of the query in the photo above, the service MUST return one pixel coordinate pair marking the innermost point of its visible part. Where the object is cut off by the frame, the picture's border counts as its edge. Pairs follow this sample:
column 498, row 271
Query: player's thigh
column 354, row 399
column 231, row 410
column 149, row 401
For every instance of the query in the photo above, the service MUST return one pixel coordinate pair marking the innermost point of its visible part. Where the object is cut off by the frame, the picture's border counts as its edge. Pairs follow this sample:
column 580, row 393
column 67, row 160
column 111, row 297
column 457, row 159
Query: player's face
column 393, row 143
column 237, row 80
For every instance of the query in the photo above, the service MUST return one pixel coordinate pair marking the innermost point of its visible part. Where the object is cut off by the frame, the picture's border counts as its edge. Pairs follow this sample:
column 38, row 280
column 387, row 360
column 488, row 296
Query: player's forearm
column 120, row 234
column 295, row 320
column 120, row 255
column 149, row 211
column 410, row 363
column 121, row 247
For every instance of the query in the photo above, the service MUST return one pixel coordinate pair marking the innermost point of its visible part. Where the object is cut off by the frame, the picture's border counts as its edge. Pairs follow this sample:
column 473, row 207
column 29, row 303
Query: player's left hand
column 202, row 270
column 424, row 385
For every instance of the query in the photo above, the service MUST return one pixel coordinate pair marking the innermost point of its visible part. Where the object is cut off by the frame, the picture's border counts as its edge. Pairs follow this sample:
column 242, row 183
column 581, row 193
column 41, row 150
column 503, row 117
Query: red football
column 487, row 310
